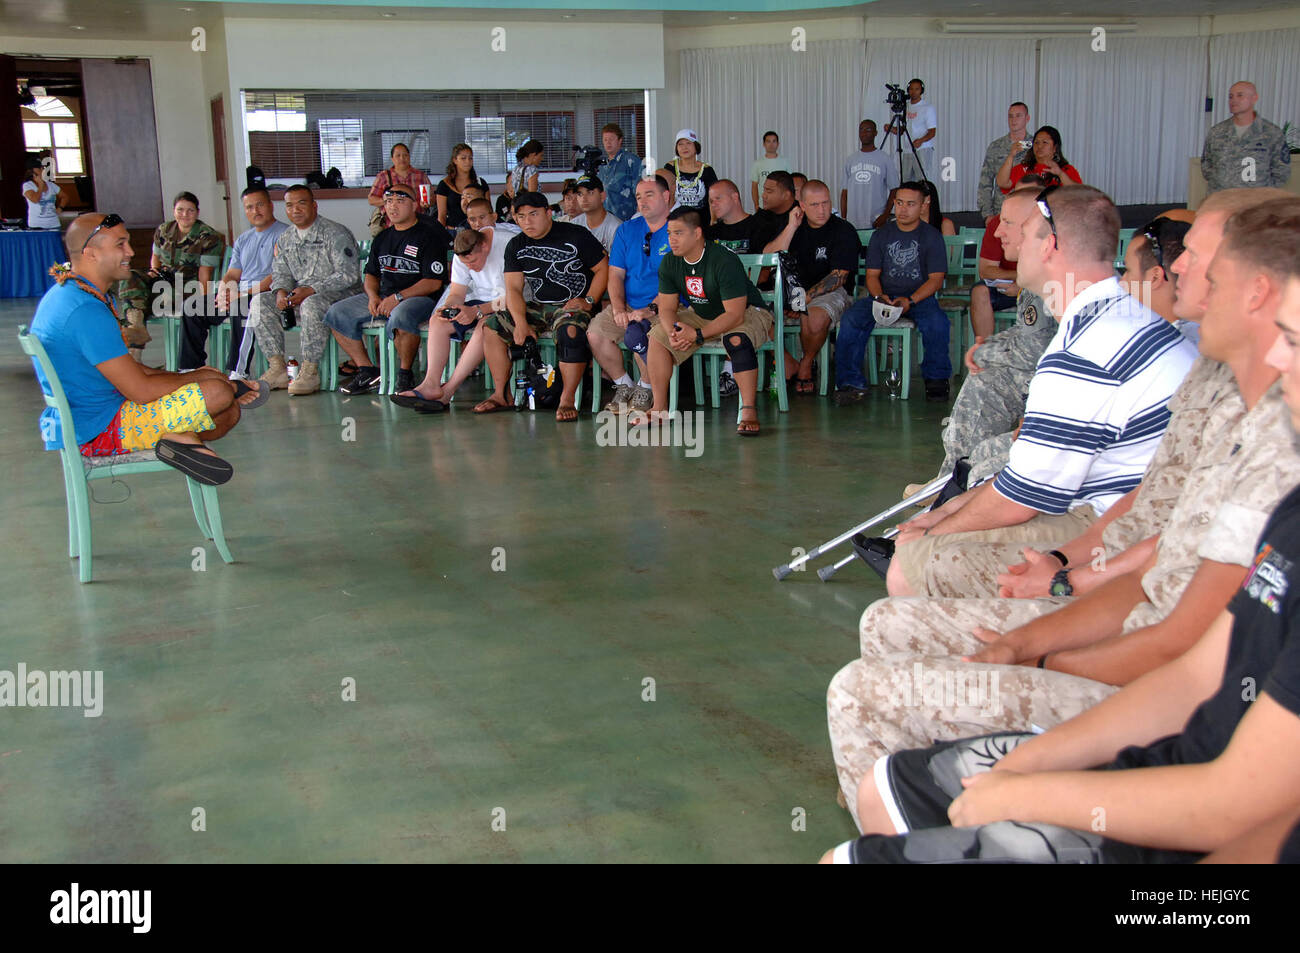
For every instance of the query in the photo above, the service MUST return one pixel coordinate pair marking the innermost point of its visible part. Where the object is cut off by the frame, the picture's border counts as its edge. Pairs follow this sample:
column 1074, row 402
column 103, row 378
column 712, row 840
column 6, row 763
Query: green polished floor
column 475, row 690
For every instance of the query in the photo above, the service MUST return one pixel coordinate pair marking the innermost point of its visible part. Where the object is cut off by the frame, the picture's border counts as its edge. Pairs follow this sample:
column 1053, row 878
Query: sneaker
column 622, row 394
column 307, row 381
column 405, row 379
column 936, row 390
column 847, row 396
column 643, row 398
column 727, row 386
column 365, row 381
column 276, row 374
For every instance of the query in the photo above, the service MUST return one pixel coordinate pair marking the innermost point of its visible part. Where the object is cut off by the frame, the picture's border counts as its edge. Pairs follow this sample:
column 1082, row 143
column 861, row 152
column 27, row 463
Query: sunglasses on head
column 1046, row 210
column 111, row 220
column 394, row 194
column 1151, row 232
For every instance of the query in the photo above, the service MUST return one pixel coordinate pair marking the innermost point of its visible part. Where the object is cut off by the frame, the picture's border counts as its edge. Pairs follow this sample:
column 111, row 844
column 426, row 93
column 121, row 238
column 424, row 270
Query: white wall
column 180, row 108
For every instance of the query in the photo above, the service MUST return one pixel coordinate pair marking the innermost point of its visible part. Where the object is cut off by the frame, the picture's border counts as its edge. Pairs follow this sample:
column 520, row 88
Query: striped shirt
column 1097, row 405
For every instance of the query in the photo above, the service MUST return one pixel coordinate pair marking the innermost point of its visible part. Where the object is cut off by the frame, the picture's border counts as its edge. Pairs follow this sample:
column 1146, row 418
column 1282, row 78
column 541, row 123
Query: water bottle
column 291, row 368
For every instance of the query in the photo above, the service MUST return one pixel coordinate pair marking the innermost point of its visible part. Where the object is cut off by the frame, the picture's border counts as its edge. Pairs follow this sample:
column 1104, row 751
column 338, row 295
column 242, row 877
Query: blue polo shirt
column 78, row 331
column 641, row 281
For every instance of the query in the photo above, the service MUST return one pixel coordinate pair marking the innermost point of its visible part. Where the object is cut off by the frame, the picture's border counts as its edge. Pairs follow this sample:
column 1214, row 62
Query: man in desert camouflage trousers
column 316, row 264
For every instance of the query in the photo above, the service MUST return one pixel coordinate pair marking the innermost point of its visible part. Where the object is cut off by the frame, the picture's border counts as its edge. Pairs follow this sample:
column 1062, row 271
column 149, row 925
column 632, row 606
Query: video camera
column 897, row 98
column 591, row 159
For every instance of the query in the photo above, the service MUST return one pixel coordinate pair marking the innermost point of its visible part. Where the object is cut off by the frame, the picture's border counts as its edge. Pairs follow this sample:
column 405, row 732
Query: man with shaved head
column 118, row 405
column 1245, row 151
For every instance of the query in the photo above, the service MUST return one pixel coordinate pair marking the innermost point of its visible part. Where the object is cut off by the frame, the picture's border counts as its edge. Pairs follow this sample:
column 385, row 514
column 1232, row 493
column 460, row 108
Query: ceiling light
column 78, row 27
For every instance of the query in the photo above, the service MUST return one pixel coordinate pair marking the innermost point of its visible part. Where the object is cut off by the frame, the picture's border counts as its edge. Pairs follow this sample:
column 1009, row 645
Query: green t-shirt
column 717, row 277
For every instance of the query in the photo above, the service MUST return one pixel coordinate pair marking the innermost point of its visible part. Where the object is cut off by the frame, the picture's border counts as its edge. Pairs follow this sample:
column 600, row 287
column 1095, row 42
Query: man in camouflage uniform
column 989, row 196
column 1226, row 461
column 151, row 294
column 1245, row 151
column 991, row 402
column 316, row 264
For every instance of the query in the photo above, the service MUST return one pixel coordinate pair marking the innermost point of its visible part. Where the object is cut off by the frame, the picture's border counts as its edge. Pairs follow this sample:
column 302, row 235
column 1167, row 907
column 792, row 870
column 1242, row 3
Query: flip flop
column 417, row 401
column 193, row 462
column 490, row 406
column 748, row 428
column 562, row 414
column 259, row 387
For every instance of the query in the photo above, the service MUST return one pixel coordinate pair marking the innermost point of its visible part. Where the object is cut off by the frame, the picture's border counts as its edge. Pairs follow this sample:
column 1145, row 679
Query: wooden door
column 219, row 160
column 123, row 138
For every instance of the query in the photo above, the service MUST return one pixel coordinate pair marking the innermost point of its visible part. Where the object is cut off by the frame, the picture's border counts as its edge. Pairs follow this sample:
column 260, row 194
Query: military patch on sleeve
column 349, row 250
column 1031, row 316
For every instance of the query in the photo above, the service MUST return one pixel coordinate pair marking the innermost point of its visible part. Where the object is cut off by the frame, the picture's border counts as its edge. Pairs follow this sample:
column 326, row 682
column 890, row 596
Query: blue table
column 25, row 259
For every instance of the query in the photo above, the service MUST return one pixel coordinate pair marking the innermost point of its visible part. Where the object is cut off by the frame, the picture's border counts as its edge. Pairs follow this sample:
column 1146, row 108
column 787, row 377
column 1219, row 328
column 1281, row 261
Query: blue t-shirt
column 78, row 331
column 641, row 281
column 906, row 260
column 253, row 253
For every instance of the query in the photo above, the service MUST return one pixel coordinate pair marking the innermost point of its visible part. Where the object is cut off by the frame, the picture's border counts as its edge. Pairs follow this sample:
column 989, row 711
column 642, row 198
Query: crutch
column 929, row 490
column 825, row 573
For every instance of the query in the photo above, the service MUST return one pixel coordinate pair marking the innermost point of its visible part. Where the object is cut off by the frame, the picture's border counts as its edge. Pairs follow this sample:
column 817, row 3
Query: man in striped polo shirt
column 1097, row 406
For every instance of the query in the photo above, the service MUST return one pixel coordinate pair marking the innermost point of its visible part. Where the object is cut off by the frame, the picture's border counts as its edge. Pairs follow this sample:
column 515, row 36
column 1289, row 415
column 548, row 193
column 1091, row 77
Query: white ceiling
column 173, row 19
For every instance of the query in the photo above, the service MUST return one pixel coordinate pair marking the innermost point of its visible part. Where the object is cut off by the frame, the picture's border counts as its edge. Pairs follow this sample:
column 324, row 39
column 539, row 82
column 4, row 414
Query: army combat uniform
column 1223, row 158
column 201, row 247
column 989, row 196
column 323, row 257
column 990, row 404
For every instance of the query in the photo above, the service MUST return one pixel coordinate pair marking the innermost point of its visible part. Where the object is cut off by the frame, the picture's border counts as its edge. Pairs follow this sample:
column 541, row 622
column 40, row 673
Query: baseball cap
column 687, row 134
column 590, row 182
column 530, row 200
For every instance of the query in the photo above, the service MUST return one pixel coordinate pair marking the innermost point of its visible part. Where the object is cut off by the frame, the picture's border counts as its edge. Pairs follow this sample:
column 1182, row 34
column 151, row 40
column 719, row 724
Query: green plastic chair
column 78, row 471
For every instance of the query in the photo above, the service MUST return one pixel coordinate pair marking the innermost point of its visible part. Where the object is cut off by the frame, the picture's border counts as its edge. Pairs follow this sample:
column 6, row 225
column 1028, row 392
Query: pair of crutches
column 824, row 574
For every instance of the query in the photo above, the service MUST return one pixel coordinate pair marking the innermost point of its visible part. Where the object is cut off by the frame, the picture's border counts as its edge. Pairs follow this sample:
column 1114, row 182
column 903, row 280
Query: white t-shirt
column 762, row 168
column 42, row 213
column 920, row 120
column 490, row 283
column 604, row 232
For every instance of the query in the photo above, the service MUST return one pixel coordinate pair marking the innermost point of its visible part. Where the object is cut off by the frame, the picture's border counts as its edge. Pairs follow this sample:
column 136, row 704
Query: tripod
column 898, row 128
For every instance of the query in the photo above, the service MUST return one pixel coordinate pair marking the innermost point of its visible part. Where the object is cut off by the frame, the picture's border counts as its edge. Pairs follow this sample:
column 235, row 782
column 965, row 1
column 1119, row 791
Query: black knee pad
column 571, row 345
column 742, row 353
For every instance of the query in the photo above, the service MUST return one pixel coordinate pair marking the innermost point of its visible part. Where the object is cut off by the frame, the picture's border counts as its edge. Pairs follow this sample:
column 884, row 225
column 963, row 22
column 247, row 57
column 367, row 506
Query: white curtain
column 1269, row 60
column 970, row 83
column 1129, row 116
column 732, row 95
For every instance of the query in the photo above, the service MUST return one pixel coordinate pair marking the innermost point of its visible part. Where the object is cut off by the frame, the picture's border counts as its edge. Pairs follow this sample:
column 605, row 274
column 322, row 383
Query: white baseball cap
column 687, row 134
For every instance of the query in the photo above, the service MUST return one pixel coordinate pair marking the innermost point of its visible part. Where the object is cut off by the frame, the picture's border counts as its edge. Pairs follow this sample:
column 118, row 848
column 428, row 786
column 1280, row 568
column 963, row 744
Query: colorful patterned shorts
column 141, row 426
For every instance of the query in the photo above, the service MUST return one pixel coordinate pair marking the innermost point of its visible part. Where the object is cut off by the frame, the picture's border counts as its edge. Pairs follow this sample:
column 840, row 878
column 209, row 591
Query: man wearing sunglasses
column 120, row 406
column 639, row 246
column 1097, row 405
column 1152, row 249
column 404, row 274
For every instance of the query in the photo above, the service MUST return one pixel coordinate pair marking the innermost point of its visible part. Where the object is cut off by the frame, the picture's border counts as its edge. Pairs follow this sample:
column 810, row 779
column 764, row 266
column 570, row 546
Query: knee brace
column 637, row 336
column 571, row 345
column 741, row 351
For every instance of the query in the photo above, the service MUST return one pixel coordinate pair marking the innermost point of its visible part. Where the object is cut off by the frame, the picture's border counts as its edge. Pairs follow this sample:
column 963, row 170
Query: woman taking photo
column 460, row 173
column 44, row 199
column 524, row 177
column 693, row 176
column 399, row 173
column 1044, row 158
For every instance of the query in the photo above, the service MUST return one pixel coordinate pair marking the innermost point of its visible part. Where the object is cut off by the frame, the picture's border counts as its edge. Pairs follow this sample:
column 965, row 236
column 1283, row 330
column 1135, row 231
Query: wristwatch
column 397, row 295
column 1061, row 584
column 590, row 302
column 699, row 337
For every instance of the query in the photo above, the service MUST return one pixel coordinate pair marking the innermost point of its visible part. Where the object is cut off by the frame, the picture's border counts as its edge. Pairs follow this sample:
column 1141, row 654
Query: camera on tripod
column 591, row 159
column 897, row 98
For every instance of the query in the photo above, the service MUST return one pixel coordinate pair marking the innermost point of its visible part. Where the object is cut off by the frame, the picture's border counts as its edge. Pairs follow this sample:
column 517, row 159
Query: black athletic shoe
column 848, row 396
column 405, row 379
column 936, row 390
column 365, row 381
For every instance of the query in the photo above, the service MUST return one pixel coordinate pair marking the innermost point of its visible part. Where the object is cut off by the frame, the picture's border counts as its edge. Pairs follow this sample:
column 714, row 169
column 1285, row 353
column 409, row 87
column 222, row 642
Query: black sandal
column 193, row 462
column 262, row 390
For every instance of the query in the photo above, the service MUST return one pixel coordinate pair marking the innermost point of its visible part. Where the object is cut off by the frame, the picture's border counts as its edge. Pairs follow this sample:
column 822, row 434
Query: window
column 340, row 147
column 554, row 130
column 64, row 138
column 346, row 124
